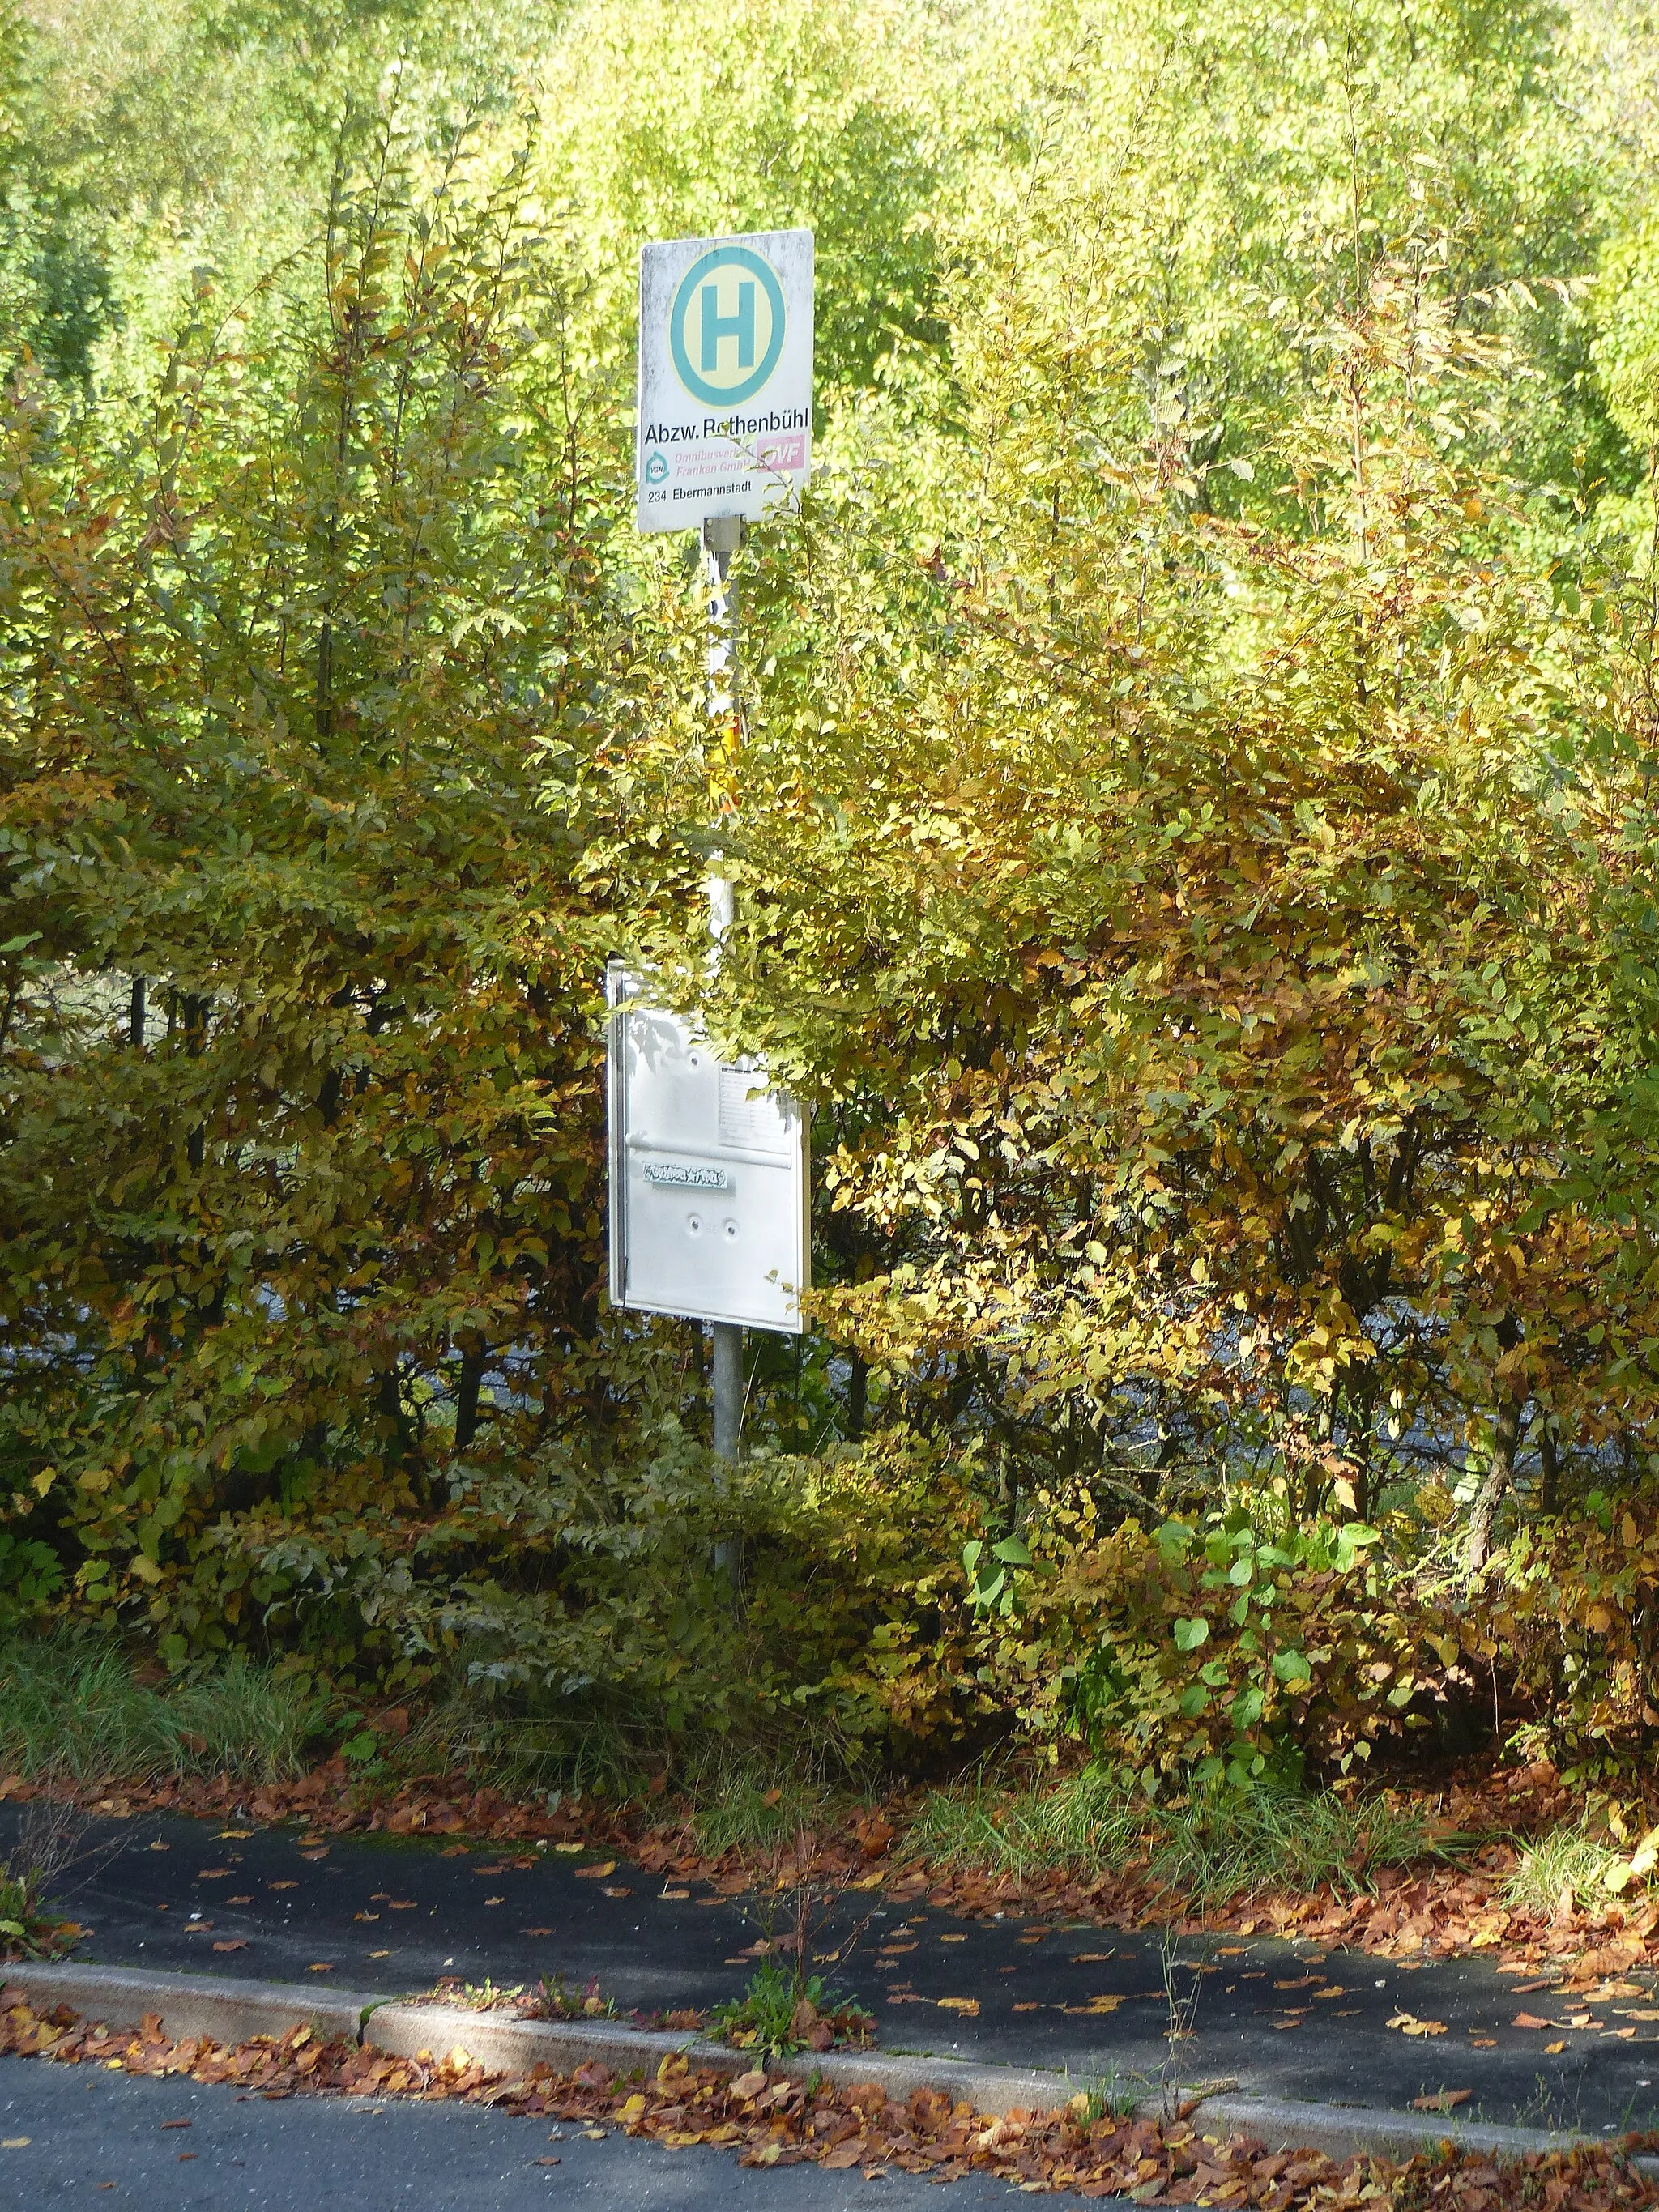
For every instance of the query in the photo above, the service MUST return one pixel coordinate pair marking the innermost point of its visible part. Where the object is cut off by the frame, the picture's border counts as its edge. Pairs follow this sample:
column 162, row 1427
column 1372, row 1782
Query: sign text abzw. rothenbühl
column 726, row 376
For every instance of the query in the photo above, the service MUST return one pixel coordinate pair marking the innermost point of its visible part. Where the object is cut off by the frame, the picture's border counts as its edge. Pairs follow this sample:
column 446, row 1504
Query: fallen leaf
column 459, row 1850
column 238, row 1945
column 240, row 1835
column 212, row 1873
column 1031, row 2005
column 1482, row 2042
column 15, row 2142
column 676, row 1894
column 1530, row 2020
column 314, row 1856
column 953, row 1939
column 1554, row 2050
column 1409, row 2025
column 535, row 1931
column 402, row 1903
column 1089, row 1957
column 174, row 2124
column 569, row 1850
column 749, row 2084
column 1442, row 2101
column 543, row 2161
column 615, row 1889
column 322, row 1967
column 969, row 2005
column 282, row 1885
column 501, row 1900
column 239, row 1900
column 596, row 1873
column 380, row 1955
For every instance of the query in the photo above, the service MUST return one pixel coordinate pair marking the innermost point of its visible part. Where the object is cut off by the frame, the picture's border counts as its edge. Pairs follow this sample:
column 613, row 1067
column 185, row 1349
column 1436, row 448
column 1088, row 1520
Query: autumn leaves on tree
column 1196, row 859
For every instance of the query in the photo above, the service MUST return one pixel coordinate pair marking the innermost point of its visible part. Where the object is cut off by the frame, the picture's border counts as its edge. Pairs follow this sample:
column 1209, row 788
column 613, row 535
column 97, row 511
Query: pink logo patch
column 788, row 453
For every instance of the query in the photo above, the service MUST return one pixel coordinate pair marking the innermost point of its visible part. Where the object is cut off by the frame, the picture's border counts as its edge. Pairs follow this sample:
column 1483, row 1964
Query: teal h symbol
column 716, row 327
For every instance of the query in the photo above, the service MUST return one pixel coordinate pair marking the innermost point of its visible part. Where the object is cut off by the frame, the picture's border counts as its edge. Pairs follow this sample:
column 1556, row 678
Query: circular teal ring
column 724, row 257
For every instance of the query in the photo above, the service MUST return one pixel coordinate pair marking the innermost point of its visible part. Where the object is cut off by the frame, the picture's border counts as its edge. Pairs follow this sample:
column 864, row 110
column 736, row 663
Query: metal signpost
column 710, row 1192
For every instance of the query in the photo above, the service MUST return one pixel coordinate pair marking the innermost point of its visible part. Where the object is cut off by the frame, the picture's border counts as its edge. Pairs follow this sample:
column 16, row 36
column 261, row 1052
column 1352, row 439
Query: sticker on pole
column 726, row 377
column 710, row 1176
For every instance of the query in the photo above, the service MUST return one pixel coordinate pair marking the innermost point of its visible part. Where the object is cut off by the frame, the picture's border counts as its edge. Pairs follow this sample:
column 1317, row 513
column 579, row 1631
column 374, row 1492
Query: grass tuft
column 1092, row 1819
column 1215, row 1847
column 747, row 1807
column 1565, row 1860
column 1218, row 1848
column 72, row 1709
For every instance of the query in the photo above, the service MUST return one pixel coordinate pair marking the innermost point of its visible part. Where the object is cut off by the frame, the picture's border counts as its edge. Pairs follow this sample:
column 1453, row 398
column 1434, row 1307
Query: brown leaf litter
column 770, row 2121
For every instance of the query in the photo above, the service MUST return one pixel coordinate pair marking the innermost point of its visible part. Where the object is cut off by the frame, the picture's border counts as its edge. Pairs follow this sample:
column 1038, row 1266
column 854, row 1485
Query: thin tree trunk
column 466, row 1397
column 1506, row 1441
column 857, row 1398
column 1549, row 1460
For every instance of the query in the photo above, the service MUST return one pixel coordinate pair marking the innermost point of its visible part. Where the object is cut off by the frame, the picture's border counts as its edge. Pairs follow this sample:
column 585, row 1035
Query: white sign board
column 709, row 1187
column 726, row 376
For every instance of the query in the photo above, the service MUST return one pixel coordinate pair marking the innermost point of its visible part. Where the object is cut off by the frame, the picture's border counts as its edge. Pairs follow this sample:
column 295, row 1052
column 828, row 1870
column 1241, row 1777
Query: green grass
column 477, row 1730
column 1218, row 1848
column 1213, row 1848
column 749, row 1807
column 1092, row 1819
column 72, row 1709
column 1566, row 1859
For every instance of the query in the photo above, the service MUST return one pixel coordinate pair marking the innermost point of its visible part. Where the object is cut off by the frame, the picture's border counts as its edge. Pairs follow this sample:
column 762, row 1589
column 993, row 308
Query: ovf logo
column 725, row 326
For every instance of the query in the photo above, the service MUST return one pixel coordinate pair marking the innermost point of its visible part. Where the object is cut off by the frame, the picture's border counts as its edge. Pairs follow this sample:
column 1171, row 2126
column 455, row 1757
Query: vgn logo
column 656, row 469
column 725, row 326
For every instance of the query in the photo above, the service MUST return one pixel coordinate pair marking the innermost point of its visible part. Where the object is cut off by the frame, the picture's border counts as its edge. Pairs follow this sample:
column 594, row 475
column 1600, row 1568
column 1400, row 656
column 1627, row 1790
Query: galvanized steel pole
column 722, row 537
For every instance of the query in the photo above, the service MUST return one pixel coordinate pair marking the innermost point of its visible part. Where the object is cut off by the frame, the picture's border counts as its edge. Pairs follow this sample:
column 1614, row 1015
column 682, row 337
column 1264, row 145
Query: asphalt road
column 1285, row 2020
column 83, row 2136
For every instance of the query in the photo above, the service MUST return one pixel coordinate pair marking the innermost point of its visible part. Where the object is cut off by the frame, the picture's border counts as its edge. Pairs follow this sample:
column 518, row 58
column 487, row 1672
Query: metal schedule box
column 709, row 1187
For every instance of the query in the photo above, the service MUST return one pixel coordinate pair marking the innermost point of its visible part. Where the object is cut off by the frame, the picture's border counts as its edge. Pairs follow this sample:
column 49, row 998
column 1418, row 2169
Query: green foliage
column 26, row 1930
column 1230, row 1652
column 784, row 2010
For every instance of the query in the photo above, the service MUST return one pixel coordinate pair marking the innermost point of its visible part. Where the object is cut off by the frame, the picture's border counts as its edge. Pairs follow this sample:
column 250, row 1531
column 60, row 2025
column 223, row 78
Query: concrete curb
column 230, row 2011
